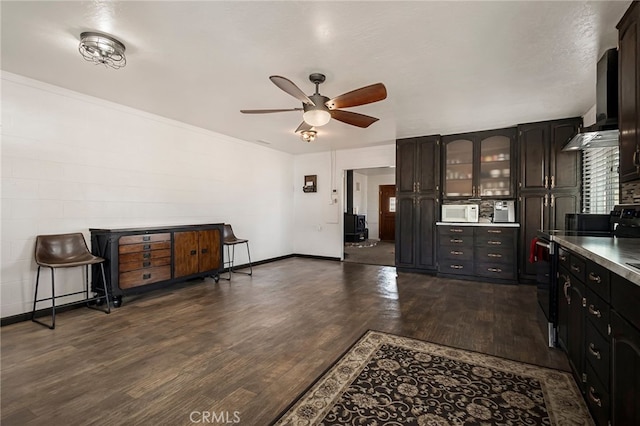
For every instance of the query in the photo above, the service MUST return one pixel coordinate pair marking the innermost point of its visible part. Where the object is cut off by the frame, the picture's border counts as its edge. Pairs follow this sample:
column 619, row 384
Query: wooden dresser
column 141, row 259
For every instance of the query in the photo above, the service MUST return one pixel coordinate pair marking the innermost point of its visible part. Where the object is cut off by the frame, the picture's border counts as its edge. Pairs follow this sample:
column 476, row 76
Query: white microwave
column 460, row 212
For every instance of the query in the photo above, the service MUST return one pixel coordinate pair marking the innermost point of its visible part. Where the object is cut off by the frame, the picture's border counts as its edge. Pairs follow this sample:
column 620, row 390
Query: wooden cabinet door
column 427, row 209
column 559, row 205
column 405, row 241
column 405, row 166
column 564, row 166
column 185, row 253
column 564, row 281
column 629, row 94
column 209, row 246
column 625, row 372
column 576, row 329
column 428, row 164
column 533, row 141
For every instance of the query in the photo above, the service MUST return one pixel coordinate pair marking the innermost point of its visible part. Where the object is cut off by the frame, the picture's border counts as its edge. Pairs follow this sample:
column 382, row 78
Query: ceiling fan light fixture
column 102, row 49
column 308, row 135
column 316, row 117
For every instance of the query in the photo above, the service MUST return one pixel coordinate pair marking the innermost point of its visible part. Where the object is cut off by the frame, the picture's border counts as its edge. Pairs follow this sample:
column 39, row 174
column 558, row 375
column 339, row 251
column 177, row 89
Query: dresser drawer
column 597, row 353
column 144, row 238
column 144, row 276
column 597, row 312
column 497, row 254
column 487, row 240
column 597, row 398
column 598, row 279
column 564, row 258
column 456, row 267
column 455, row 230
column 456, row 240
column 577, row 267
column 501, row 271
column 142, row 256
column 456, row 254
column 133, row 248
column 141, row 264
column 487, row 231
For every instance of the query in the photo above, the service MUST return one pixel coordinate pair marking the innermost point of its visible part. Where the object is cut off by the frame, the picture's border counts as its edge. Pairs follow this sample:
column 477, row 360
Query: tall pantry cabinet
column 549, row 181
column 418, row 205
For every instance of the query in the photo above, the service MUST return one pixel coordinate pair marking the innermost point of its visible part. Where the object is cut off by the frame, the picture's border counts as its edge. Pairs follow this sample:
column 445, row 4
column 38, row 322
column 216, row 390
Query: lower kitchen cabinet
column 599, row 328
column 486, row 253
column 141, row 259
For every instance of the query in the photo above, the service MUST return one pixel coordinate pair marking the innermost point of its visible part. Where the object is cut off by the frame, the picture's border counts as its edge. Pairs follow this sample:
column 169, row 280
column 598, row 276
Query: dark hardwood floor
column 249, row 346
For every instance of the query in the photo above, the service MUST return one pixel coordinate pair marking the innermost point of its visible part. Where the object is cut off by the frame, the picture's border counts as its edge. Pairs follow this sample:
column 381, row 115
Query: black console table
column 141, row 259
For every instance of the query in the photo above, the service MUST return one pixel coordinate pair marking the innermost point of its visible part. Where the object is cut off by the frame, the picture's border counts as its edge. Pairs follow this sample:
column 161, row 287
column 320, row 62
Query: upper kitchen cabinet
column 629, row 93
column 543, row 164
column 479, row 164
column 417, row 165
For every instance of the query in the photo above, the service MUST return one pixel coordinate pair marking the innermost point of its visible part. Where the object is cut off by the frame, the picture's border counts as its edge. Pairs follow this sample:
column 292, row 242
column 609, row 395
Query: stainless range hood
column 604, row 133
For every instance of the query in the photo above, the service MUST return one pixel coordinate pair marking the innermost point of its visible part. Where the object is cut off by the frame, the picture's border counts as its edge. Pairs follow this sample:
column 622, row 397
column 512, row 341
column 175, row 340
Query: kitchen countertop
column 504, row 224
column 611, row 252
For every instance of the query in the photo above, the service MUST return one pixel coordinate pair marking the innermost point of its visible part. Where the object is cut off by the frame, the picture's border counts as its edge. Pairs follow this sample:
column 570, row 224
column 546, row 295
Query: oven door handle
column 541, row 244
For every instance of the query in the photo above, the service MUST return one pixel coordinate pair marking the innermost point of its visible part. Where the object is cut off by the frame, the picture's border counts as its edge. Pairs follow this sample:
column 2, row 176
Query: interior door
column 387, row 223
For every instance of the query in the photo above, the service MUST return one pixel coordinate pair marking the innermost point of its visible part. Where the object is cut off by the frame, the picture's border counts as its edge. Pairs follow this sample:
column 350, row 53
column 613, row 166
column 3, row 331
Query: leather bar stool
column 230, row 241
column 67, row 251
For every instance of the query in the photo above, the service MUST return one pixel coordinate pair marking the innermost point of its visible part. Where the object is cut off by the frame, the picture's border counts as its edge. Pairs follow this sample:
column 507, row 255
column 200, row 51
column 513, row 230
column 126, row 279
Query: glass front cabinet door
column 479, row 165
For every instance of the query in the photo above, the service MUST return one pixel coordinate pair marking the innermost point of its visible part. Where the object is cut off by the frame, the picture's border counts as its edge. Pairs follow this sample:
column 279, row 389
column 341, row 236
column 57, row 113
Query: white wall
column 318, row 226
column 71, row 162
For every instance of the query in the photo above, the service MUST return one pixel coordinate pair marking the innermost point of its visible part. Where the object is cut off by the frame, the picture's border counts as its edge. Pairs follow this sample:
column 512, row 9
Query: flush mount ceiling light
column 102, row 49
column 308, row 135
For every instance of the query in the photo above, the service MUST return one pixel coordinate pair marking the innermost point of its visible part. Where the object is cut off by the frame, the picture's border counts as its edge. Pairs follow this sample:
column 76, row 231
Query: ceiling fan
column 319, row 109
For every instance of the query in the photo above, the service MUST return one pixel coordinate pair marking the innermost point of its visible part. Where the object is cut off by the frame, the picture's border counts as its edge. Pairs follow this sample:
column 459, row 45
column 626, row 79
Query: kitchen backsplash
column 630, row 192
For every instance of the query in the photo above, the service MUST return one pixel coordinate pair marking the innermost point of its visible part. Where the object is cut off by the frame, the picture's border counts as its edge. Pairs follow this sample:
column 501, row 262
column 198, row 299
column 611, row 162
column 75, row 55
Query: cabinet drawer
column 597, row 398
column 142, row 256
column 577, row 267
column 455, row 230
column 133, row 248
column 141, row 264
column 456, row 240
column 597, row 312
column 485, row 231
column 598, row 280
column 456, row 254
column 144, row 238
column 597, row 353
column 502, row 255
column 487, row 240
column 495, row 270
column 563, row 258
column 144, row 276
column 456, row 267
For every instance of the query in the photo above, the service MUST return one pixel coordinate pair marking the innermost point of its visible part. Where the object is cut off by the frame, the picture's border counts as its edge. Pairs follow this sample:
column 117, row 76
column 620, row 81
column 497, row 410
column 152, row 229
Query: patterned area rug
column 391, row 380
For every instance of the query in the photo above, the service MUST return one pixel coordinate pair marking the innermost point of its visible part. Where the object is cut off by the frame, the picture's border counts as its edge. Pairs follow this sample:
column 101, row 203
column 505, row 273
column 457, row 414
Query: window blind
column 600, row 187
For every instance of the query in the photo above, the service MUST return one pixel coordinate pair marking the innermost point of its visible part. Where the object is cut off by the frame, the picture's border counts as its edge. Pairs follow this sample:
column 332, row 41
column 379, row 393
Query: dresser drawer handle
column 456, row 230
column 456, row 240
column 146, row 238
column 456, row 267
column 146, row 264
column 194, row 252
column 203, row 251
column 575, row 268
column 494, row 255
column 494, row 243
column 146, row 276
column 593, row 397
column 494, row 269
column 494, row 231
column 593, row 351
column 563, row 258
column 146, row 247
column 456, row 252
column 146, row 256
column 594, row 311
column 594, row 277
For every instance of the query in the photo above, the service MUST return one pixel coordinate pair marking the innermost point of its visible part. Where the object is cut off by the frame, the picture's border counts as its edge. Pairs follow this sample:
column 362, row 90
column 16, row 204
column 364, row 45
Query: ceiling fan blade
column 303, row 127
column 267, row 111
column 289, row 86
column 353, row 118
column 364, row 95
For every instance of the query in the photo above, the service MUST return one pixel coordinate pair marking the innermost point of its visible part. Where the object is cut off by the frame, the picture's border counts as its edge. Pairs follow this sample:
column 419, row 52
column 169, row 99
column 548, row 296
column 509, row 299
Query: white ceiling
column 448, row 66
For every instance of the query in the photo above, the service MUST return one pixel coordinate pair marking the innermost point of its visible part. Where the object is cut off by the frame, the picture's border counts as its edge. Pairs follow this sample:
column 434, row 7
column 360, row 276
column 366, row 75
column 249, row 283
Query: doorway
column 365, row 201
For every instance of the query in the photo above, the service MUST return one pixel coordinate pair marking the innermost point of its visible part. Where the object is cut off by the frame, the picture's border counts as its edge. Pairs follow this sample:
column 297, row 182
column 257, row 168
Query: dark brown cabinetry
column 477, row 252
column 479, row 164
column 140, row 259
column 549, row 181
column 418, row 205
column 196, row 252
column 629, row 93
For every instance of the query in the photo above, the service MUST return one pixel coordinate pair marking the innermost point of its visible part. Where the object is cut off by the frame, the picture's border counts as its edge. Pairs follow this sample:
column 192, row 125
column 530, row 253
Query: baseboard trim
column 13, row 319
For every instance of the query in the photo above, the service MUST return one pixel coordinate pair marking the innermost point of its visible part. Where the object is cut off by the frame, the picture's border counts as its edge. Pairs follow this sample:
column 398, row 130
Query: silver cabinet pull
column 494, row 231
column 593, row 351
column 456, row 240
column 494, row 255
column 593, row 397
column 494, row 269
column 594, row 277
column 494, row 243
column 456, row 253
column 458, row 230
column 575, row 268
column 546, row 182
column 456, row 266
column 553, row 182
column 595, row 312
column 567, row 284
